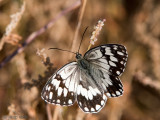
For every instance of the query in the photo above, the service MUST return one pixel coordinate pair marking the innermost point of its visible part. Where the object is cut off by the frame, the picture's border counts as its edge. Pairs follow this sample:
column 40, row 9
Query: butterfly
column 89, row 80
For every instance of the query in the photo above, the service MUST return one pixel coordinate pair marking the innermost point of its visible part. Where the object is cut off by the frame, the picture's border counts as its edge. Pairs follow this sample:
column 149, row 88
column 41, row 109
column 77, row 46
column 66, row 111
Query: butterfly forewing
column 112, row 57
column 61, row 87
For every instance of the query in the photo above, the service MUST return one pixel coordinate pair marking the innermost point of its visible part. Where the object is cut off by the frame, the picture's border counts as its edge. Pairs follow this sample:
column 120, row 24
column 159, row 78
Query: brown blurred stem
column 37, row 33
column 75, row 40
column 48, row 109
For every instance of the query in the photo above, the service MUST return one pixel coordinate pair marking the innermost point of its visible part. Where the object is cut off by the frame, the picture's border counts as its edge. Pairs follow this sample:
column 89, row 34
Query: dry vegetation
column 29, row 28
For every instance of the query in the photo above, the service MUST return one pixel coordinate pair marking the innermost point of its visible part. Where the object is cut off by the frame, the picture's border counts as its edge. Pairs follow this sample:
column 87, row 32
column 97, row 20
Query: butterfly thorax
column 82, row 63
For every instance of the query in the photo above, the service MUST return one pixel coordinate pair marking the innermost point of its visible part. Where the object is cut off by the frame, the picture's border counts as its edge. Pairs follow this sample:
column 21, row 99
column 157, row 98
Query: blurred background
column 132, row 23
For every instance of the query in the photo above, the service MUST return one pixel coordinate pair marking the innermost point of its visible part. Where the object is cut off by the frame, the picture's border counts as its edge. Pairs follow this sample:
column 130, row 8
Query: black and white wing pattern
column 111, row 60
column 61, row 87
column 89, row 80
column 89, row 98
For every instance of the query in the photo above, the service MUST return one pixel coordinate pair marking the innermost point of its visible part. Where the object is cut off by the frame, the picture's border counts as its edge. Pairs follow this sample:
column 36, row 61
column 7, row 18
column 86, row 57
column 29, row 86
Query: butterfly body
column 89, row 80
column 82, row 63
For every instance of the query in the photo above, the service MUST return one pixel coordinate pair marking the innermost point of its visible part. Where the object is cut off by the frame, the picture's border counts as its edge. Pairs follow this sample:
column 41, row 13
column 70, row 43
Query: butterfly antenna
column 82, row 38
column 62, row 50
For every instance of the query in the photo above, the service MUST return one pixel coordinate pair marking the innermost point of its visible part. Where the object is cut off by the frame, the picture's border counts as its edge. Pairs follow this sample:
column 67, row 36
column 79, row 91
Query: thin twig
column 75, row 40
column 39, row 32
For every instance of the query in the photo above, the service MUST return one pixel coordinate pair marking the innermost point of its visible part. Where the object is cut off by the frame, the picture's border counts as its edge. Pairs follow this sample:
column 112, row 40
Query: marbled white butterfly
column 89, row 80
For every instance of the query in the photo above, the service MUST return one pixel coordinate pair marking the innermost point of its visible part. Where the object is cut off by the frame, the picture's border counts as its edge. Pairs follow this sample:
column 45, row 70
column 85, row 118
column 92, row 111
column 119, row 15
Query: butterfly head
column 78, row 56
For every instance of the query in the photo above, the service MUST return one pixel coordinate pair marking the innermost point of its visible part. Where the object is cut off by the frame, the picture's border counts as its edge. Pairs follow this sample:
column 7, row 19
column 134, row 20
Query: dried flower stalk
column 96, row 32
column 41, row 53
column 15, row 18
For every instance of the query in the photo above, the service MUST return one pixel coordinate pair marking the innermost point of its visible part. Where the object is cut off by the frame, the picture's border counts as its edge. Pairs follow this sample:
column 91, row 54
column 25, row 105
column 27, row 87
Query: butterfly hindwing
column 61, row 87
column 111, row 84
column 112, row 57
column 90, row 99
column 116, row 88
